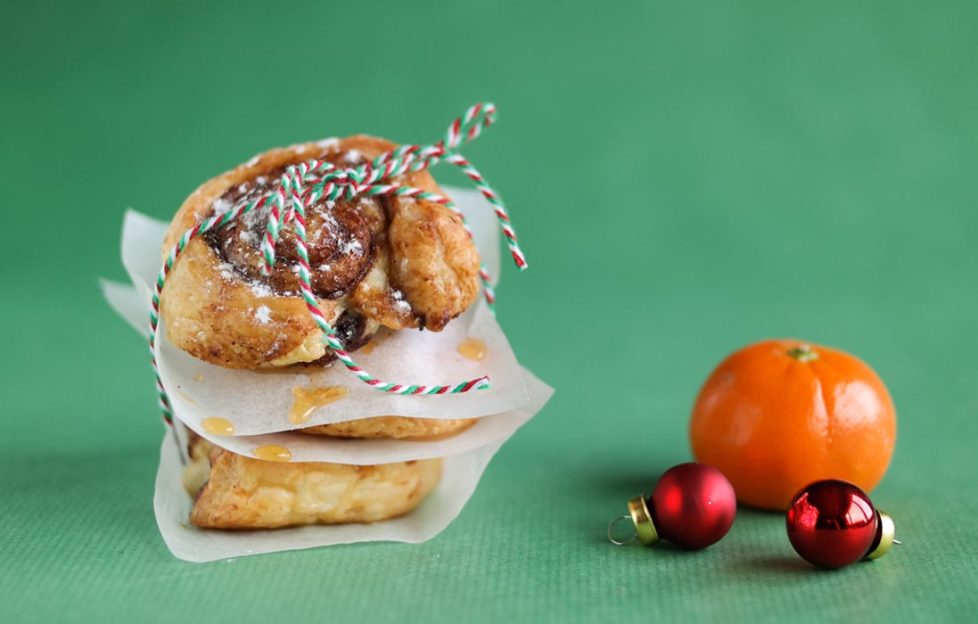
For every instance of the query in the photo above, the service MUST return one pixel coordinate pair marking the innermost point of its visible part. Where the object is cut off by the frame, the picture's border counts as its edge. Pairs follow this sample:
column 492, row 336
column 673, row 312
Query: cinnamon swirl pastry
column 376, row 261
column 236, row 492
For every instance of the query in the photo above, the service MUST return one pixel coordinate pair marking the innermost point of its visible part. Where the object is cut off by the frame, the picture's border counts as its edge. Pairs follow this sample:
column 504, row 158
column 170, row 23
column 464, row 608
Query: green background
column 686, row 180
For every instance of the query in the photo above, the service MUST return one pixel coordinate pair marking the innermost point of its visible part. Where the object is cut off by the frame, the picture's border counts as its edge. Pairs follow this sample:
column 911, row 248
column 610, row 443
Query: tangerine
column 780, row 414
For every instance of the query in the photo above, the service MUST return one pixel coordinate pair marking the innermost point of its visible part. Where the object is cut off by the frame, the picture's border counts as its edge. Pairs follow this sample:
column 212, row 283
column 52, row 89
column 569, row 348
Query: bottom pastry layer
column 237, row 492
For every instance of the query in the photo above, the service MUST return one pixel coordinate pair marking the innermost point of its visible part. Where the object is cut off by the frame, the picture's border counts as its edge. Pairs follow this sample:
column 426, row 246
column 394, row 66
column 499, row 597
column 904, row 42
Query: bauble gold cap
column 887, row 533
column 642, row 519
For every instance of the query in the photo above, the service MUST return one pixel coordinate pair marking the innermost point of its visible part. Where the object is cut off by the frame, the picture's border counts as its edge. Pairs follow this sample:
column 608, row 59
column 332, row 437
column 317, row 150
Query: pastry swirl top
column 340, row 240
column 375, row 261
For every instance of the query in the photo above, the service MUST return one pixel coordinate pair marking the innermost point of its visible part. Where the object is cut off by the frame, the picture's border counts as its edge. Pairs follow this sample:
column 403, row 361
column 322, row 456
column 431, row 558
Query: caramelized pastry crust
column 398, row 427
column 376, row 261
column 245, row 493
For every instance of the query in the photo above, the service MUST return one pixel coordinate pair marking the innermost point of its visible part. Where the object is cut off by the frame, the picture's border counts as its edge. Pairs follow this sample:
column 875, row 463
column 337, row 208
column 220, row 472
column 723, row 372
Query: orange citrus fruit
column 780, row 414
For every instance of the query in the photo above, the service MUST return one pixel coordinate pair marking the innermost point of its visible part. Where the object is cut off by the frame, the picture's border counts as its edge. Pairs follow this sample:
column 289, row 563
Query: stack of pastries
column 379, row 264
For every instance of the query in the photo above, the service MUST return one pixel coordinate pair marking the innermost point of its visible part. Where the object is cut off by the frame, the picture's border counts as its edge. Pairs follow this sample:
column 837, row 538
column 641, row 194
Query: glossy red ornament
column 693, row 506
column 833, row 523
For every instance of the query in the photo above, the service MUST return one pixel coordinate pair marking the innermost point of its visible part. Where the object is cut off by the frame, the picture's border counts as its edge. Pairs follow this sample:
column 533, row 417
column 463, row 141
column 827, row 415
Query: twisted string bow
column 302, row 185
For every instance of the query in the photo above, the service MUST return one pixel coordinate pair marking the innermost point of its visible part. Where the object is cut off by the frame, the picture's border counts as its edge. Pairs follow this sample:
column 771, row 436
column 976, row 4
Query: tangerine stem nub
column 803, row 353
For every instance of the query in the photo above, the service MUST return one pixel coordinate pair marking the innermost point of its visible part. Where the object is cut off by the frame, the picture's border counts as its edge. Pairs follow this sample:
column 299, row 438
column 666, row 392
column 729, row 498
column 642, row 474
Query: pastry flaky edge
column 396, row 427
column 209, row 311
column 234, row 492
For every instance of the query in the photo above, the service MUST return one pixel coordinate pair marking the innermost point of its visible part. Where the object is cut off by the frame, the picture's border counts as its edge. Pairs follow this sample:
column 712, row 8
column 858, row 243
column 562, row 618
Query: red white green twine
column 304, row 184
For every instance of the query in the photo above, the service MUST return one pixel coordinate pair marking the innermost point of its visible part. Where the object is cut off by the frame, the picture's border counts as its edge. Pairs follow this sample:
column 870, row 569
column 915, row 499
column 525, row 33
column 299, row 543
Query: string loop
column 303, row 184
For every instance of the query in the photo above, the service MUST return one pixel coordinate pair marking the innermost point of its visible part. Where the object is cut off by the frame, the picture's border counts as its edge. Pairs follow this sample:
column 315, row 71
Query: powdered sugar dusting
column 399, row 303
column 227, row 271
column 221, row 205
column 352, row 247
column 263, row 314
column 261, row 290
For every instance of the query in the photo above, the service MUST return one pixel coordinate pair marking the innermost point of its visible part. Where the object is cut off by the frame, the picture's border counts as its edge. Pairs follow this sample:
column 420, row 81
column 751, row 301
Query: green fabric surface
column 686, row 178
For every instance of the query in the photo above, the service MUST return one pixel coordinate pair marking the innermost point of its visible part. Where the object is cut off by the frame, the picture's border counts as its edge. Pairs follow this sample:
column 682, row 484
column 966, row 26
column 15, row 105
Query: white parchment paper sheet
column 172, row 508
column 461, row 476
column 303, row 447
column 260, row 401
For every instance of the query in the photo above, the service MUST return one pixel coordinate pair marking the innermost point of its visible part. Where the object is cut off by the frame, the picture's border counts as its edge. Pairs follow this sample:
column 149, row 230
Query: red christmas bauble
column 833, row 523
column 693, row 505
